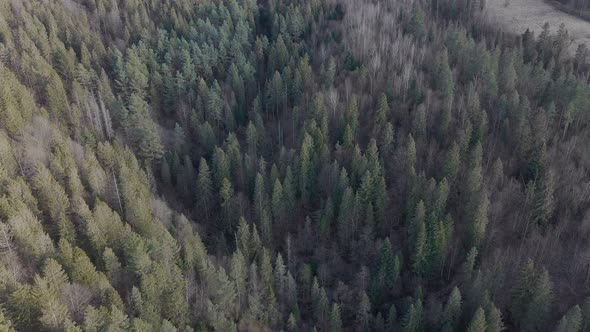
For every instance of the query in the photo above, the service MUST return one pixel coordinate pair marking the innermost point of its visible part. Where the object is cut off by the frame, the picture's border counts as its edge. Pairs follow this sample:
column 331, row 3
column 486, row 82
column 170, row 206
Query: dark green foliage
column 532, row 297
column 571, row 321
column 204, row 187
column 478, row 322
column 413, row 320
column 350, row 63
column 452, row 311
column 289, row 165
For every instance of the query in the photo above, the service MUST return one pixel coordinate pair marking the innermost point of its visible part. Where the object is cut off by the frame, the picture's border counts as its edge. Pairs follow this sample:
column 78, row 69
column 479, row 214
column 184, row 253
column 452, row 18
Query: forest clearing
column 519, row 15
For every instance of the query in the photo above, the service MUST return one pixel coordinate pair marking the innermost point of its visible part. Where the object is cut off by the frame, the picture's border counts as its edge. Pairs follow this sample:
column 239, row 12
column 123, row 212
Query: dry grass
column 518, row 15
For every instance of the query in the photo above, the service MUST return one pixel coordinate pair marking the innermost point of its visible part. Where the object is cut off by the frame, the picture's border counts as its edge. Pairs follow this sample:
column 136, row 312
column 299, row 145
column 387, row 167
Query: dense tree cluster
column 289, row 165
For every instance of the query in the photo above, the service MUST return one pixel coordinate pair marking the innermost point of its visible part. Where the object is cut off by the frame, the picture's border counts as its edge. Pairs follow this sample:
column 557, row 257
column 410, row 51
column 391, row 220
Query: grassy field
column 518, row 15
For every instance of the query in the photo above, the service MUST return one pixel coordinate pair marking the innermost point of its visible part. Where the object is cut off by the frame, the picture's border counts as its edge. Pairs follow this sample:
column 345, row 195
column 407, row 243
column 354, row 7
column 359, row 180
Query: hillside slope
column 289, row 165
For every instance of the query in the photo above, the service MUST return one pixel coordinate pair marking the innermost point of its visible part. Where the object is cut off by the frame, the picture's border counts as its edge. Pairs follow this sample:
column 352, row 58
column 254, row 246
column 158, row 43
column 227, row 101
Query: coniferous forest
column 290, row 165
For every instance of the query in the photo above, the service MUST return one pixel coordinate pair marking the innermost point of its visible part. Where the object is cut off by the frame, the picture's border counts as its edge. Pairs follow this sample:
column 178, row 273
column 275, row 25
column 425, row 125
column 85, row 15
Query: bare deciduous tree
column 5, row 238
column 333, row 100
column 76, row 297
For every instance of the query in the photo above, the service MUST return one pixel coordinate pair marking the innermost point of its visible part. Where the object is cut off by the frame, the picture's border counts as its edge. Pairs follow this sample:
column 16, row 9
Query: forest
column 290, row 165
